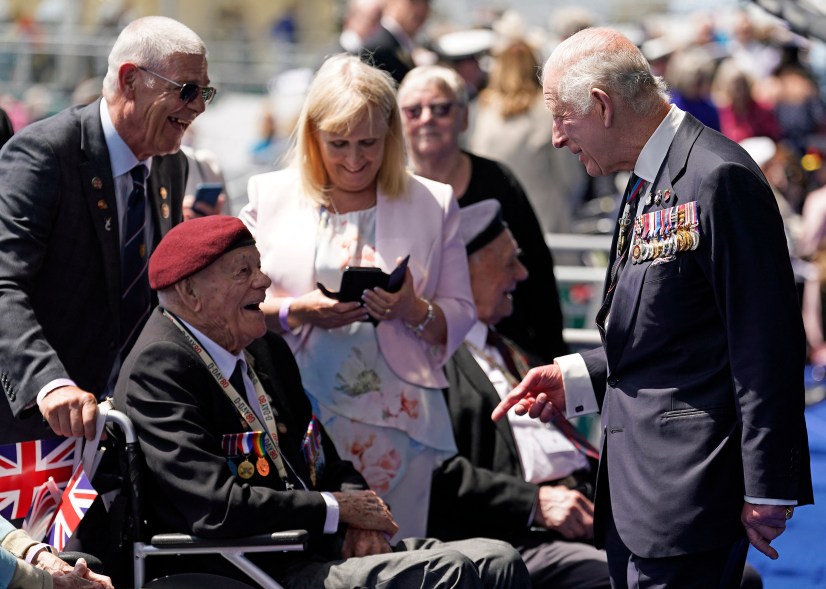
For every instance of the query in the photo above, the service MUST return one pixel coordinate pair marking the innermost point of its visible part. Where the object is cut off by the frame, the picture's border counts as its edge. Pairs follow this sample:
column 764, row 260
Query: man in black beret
column 231, row 444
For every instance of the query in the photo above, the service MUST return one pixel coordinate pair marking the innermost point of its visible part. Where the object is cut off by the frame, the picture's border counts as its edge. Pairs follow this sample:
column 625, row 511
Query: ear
column 188, row 293
column 128, row 80
column 604, row 106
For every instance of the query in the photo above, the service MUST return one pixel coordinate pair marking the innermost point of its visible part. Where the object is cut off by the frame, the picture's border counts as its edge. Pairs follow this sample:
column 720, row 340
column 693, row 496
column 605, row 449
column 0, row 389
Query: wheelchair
column 126, row 535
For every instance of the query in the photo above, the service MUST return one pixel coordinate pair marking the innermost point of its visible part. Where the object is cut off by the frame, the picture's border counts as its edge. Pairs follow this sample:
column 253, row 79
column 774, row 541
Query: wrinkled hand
column 763, row 524
column 403, row 304
column 566, row 511
column 71, row 411
column 365, row 510
column 540, row 394
column 358, row 542
column 316, row 309
column 79, row 577
column 57, row 567
column 192, row 210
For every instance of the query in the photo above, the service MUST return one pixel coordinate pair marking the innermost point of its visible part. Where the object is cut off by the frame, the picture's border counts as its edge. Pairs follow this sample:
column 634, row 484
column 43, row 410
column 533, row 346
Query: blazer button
column 613, row 381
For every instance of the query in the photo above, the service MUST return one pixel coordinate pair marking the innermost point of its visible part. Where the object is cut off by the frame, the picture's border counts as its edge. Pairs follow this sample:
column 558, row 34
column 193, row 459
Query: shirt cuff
column 580, row 398
column 764, row 501
column 31, row 553
column 331, row 521
column 56, row 383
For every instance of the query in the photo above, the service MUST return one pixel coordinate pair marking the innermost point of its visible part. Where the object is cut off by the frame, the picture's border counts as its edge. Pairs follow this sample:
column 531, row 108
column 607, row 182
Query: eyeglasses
column 438, row 110
column 188, row 91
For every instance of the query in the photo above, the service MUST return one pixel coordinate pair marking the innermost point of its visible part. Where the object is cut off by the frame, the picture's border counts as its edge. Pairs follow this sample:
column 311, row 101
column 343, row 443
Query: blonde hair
column 514, row 83
column 344, row 92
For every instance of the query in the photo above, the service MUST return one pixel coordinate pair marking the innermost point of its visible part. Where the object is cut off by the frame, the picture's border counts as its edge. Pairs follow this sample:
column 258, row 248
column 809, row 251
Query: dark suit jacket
column 181, row 413
column 384, row 51
column 6, row 128
column 60, row 259
column 700, row 379
column 481, row 491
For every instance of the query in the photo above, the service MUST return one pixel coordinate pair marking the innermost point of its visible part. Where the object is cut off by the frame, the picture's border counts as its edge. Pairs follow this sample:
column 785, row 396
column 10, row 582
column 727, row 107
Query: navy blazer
column 700, row 377
column 60, row 259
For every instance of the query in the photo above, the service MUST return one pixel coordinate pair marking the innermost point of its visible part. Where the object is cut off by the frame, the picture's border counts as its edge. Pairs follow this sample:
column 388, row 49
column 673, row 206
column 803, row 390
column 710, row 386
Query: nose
column 261, row 280
column 558, row 137
column 521, row 272
column 197, row 104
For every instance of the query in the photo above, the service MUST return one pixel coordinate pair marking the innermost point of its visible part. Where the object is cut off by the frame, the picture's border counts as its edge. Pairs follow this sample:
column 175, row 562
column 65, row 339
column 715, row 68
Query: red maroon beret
column 193, row 245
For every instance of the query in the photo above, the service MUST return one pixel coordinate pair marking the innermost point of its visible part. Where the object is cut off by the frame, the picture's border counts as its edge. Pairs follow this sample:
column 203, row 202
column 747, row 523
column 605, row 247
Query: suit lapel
column 99, row 192
column 480, row 383
column 629, row 288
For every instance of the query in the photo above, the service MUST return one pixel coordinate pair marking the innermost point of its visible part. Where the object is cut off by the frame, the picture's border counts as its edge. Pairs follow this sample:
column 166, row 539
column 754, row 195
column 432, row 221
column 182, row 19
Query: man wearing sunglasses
column 84, row 197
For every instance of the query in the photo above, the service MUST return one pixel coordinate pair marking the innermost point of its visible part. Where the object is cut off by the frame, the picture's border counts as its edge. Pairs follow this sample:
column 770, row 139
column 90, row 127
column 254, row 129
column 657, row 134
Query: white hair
column 149, row 42
column 603, row 58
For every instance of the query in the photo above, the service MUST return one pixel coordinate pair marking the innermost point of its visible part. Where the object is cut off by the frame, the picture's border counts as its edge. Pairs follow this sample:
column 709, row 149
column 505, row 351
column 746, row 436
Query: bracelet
column 283, row 312
column 418, row 329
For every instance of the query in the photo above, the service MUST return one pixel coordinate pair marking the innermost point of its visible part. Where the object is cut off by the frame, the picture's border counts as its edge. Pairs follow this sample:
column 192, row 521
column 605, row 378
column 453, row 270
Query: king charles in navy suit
column 700, row 376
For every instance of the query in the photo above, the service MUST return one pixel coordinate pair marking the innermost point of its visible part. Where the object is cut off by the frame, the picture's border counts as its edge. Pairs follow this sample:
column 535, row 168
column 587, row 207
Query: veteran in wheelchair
column 231, row 446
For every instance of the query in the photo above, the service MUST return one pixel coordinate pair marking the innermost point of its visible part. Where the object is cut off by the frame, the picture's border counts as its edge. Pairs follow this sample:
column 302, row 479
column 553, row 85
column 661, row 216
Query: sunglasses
column 188, row 91
column 439, row 110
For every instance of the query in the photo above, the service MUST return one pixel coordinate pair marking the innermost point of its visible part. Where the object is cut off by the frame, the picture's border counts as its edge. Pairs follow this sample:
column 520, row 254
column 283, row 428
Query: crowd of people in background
column 426, row 154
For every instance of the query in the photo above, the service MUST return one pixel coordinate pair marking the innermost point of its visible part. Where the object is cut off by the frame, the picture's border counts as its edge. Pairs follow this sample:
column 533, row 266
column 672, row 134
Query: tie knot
column 139, row 174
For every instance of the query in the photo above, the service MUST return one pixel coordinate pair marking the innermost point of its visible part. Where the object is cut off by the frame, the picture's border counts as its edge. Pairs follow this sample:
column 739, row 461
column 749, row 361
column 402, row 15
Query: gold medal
column 262, row 466
column 246, row 469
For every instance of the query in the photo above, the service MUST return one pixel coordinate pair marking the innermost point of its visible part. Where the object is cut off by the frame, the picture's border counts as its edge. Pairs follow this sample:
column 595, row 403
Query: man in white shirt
column 518, row 480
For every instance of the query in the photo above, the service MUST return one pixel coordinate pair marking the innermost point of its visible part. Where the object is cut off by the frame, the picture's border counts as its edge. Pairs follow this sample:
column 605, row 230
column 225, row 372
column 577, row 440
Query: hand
column 57, row 567
column 566, row 511
column 403, row 304
column 540, row 394
column 365, row 510
column 316, row 309
column 358, row 542
column 71, row 411
column 79, row 577
column 763, row 524
column 191, row 211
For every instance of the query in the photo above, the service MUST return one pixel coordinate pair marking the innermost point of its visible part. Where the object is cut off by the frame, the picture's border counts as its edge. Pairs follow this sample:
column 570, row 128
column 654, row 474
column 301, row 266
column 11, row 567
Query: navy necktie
column 135, row 292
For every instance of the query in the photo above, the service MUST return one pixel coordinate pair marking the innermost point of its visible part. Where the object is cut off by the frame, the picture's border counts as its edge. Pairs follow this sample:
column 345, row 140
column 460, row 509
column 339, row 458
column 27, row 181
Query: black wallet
column 356, row 279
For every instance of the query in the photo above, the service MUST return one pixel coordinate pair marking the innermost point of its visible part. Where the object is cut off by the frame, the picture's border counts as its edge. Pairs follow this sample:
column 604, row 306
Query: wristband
column 283, row 313
column 418, row 329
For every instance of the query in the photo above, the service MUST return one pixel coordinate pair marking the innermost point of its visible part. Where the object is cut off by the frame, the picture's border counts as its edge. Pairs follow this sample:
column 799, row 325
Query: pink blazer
column 422, row 222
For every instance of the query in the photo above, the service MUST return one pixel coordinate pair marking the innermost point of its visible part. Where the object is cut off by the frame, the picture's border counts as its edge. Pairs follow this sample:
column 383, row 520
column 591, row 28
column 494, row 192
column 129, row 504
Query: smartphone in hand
column 207, row 193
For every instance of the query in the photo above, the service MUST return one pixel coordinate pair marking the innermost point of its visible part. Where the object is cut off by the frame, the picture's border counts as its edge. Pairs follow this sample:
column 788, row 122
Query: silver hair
column 150, row 42
column 444, row 77
column 603, row 58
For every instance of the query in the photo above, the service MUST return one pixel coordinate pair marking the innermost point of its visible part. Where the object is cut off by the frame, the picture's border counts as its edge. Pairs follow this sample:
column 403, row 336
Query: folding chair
column 233, row 550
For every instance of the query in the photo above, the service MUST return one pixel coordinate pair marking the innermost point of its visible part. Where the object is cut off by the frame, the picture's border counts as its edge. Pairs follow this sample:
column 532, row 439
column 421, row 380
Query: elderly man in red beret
column 231, row 444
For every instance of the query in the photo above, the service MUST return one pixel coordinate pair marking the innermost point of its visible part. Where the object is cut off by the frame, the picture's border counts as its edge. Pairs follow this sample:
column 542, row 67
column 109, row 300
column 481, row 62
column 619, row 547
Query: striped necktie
column 135, row 292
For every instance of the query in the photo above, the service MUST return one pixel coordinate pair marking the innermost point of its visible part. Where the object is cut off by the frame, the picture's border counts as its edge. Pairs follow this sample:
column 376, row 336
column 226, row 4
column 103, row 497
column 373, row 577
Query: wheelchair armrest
column 287, row 538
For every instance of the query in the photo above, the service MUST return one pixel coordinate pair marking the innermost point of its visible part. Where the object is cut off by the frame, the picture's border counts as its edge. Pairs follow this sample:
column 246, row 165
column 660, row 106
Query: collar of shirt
column 655, row 149
column 121, row 157
column 478, row 335
column 223, row 358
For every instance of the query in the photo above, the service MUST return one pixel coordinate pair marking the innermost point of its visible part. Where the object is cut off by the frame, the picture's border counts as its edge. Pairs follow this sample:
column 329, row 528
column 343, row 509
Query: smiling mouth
column 253, row 307
column 180, row 123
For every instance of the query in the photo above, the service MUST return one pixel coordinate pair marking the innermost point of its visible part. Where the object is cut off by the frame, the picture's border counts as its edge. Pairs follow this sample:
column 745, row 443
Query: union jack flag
column 42, row 512
column 77, row 498
column 26, row 466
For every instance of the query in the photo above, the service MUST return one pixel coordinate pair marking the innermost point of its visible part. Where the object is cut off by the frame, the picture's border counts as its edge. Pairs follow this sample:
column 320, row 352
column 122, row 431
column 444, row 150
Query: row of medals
column 665, row 232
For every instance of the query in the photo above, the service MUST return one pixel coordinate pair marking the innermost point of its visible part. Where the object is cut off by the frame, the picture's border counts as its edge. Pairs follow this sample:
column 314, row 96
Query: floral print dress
column 394, row 432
